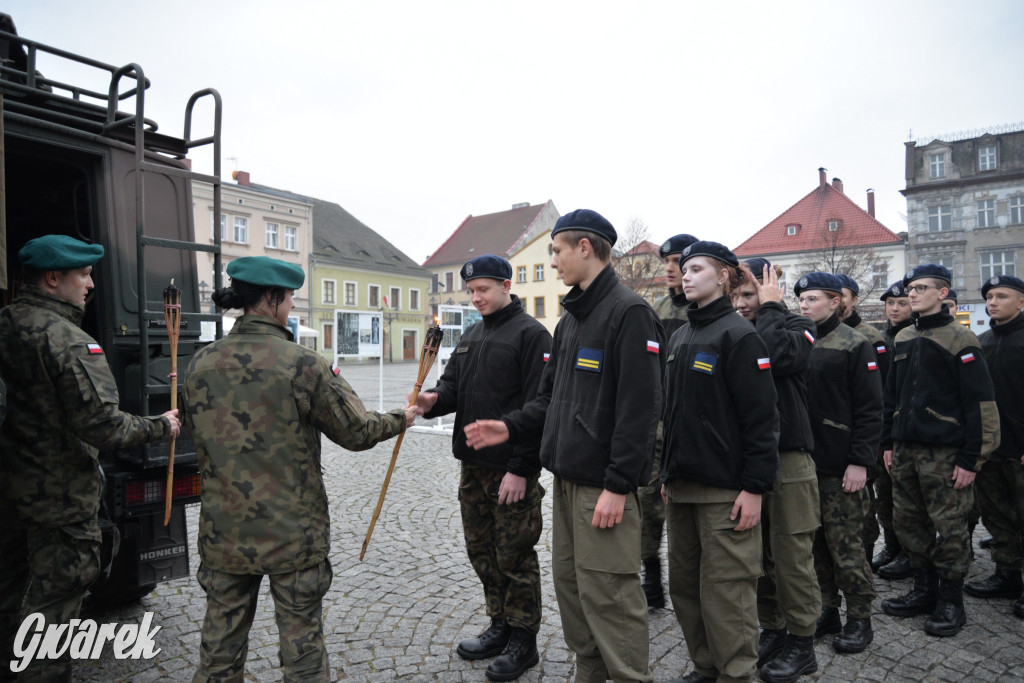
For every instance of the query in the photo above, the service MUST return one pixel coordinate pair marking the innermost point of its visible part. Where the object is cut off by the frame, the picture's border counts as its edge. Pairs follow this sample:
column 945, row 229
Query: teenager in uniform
column 597, row 411
column 941, row 424
column 256, row 404
column 495, row 369
column 671, row 310
column 844, row 399
column 891, row 562
column 788, row 598
column 851, row 317
column 1000, row 481
column 720, row 456
column 63, row 404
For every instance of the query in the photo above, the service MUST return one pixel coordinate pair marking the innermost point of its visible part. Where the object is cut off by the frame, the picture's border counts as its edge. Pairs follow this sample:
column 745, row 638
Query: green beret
column 59, row 252
column 266, row 271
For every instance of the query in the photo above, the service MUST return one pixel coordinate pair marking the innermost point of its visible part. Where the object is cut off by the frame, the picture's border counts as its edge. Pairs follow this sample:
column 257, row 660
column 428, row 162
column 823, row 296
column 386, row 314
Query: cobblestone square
column 400, row 613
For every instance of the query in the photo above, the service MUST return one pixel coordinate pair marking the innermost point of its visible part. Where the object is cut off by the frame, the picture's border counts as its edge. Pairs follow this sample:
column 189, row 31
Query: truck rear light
column 186, row 489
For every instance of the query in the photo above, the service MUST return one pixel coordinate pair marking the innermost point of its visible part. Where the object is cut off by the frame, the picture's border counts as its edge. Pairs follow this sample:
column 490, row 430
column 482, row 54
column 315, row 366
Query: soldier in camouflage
column 496, row 369
column 671, row 310
column 844, row 400
column 941, row 424
column 63, row 406
column 255, row 404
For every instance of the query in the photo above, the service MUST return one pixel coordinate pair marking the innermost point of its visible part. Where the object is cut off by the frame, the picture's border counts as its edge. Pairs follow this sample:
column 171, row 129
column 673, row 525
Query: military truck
column 72, row 162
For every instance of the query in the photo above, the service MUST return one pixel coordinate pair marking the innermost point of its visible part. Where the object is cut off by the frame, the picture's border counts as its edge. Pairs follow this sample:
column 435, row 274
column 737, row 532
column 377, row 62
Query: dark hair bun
column 227, row 297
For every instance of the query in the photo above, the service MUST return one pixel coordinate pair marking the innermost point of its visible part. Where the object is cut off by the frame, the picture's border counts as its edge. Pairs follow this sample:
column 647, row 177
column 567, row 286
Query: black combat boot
column 888, row 552
column 490, row 643
column 828, row 622
column 949, row 616
column 1004, row 583
column 770, row 643
column 652, row 583
column 856, row 636
column 899, row 568
column 920, row 599
column 519, row 655
column 796, row 659
column 985, row 543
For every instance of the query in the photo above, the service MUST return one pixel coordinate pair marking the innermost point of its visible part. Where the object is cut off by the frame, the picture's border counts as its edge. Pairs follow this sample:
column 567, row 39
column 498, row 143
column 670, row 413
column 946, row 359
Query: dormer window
column 833, row 226
column 792, row 229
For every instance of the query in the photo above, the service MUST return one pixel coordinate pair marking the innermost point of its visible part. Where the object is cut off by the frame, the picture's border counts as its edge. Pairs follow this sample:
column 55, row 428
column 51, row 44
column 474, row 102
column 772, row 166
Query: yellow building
column 536, row 282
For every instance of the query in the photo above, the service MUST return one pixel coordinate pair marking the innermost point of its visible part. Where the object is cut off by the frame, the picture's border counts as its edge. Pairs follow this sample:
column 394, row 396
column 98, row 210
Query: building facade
column 965, row 209
column 828, row 231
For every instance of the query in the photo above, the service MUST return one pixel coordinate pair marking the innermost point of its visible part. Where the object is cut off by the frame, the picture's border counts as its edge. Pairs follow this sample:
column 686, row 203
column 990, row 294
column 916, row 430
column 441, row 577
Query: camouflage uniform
column 844, row 399
column 255, row 404
column 940, row 412
column 671, row 310
column 883, row 358
column 63, row 411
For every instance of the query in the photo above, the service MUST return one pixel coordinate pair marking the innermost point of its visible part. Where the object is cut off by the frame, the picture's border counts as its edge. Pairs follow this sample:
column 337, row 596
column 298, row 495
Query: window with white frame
column 538, row 307
column 290, row 233
column 350, row 294
column 520, row 273
column 937, row 165
column 396, row 298
column 1017, row 210
column 223, row 227
column 880, row 275
column 241, row 230
column 329, row 287
column 373, row 296
column 538, row 272
column 940, row 218
column 414, row 299
column 987, row 158
column 449, row 281
column 272, row 229
column 833, row 225
column 997, row 263
column 986, row 213
column 791, row 229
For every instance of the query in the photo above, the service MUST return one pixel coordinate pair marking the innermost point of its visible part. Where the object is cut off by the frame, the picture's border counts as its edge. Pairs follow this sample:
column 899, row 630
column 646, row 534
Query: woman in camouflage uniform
column 256, row 404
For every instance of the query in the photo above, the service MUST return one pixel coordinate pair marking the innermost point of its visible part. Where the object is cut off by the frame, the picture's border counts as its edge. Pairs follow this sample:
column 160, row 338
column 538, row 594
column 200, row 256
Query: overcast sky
column 708, row 118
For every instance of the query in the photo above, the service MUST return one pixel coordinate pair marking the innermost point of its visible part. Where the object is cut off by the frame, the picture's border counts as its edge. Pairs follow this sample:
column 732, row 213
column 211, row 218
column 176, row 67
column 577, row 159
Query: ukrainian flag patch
column 589, row 359
column 705, row 362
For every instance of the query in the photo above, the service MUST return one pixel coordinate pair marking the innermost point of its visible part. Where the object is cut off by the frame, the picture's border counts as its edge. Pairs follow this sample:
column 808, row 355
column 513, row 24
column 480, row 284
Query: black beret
column 1002, row 281
column 59, row 252
column 896, row 289
column 676, row 244
column 712, row 249
column 585, row 219
column 951, row 295
column 849, row 283
column 267, row 272
column 819, row 280
column 927, row 270
column 757, row 266
column 487, row 265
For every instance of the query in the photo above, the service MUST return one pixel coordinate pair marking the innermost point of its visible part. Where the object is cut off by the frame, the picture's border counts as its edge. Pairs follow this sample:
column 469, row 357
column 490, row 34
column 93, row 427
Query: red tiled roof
column 812, row 214
column 645, row 247
column 495, row 233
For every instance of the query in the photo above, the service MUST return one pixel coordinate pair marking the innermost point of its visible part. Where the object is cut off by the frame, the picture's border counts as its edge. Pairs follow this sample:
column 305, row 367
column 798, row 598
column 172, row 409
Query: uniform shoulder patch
column 809, row 336
column 764, row 364
column 335, row 370
column 880, row 348
column 589, row 359
column 653, row 347
column 872, row 365
column 967, row 358
column 94, row 349
column 547, row 357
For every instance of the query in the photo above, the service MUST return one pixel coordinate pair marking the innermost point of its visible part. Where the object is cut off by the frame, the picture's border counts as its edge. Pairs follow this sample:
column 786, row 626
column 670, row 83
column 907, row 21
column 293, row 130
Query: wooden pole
column 172, row 318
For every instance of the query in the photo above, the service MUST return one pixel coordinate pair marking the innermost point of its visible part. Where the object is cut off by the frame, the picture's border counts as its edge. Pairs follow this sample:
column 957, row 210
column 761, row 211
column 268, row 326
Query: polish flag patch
column 967, row 358
column 335, row 370
column 94, row 349
column 810, row 337
column 872, row 365
column 653, row 347
column 764, row 364
column 546, row 357
column 881, row 349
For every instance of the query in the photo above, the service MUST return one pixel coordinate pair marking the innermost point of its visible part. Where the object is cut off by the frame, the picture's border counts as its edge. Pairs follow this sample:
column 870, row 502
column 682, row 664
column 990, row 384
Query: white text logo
column 82, row 639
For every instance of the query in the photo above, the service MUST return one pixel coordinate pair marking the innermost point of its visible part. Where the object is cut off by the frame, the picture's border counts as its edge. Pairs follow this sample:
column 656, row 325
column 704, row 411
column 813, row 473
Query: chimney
column 240, row 177
column 871, row 202
column 822, row 180
column 837, row 185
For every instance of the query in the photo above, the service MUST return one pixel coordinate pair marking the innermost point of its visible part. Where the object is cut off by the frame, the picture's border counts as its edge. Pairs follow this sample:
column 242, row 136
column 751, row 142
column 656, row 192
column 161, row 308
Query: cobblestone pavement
column 400, row 612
